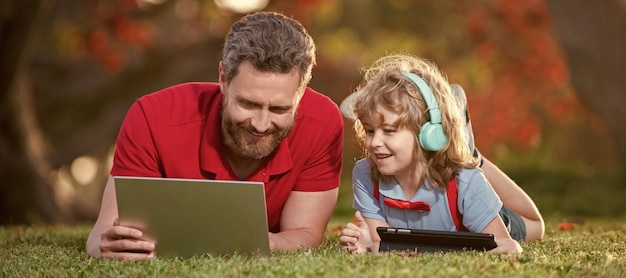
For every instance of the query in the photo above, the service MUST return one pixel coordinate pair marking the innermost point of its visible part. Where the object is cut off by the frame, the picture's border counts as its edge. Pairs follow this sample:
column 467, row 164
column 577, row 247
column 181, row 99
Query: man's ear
column 222, row 77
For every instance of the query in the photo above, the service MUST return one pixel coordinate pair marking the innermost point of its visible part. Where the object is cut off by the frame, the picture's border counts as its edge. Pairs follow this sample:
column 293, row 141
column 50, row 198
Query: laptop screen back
column 194, row 217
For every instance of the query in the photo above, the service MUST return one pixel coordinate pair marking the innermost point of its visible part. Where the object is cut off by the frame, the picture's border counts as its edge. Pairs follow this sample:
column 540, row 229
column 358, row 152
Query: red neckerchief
column 402, row 204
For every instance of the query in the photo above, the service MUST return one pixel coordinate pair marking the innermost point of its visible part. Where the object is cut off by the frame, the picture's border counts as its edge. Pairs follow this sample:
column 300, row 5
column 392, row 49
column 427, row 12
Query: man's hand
column 125, row 243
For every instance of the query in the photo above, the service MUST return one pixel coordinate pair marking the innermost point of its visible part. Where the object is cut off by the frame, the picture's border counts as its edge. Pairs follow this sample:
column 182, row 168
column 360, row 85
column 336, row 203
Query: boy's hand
column 507, row 245
column 356, row 238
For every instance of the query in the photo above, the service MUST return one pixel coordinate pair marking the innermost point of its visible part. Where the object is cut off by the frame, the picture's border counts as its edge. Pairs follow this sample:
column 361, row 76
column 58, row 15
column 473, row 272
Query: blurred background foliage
column 72, row 68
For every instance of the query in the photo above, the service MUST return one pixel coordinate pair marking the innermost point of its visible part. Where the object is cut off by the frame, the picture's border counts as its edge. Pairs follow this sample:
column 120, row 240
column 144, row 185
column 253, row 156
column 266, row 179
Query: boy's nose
column 376, row 140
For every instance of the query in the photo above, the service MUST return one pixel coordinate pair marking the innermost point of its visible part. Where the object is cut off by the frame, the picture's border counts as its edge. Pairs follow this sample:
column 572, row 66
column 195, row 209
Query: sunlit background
column 87, row 61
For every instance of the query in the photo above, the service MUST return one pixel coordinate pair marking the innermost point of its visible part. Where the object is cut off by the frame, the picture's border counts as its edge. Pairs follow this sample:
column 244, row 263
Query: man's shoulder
column 318, row 106
column 182, row 92
column 186, row 102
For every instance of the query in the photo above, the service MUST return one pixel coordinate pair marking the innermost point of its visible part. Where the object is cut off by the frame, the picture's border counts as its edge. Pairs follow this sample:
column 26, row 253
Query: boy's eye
column 387, row 130
column 369, row 131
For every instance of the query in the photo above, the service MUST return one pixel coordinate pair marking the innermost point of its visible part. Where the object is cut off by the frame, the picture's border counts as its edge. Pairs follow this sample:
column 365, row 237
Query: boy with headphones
column 420, row 170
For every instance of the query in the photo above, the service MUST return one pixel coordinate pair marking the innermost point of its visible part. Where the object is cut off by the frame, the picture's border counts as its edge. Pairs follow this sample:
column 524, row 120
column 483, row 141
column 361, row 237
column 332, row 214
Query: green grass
column 595, row 247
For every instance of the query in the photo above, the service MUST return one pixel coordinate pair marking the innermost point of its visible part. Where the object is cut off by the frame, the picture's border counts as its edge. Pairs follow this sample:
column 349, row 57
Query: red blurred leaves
column 132, row 33
column 486, row 51
column 116, row 34
column 529, row 90
column 98, row 41
column 529, row 133
column 113, row 61
column 520, row 87
column 476, row 21
column 562, row 109
column 566, row 226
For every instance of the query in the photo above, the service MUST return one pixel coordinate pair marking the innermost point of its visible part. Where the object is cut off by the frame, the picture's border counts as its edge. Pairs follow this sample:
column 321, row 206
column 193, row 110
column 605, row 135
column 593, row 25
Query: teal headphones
column 431, row 136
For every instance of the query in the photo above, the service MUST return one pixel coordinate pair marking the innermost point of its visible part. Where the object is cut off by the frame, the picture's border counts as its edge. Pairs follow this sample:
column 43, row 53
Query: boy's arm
column 516, row 199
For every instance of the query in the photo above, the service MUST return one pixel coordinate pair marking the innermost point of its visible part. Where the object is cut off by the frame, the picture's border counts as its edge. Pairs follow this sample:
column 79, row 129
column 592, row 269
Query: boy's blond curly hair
column 385, row 86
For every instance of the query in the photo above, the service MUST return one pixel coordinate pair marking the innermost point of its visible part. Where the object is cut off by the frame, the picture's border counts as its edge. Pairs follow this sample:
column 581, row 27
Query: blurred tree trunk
column 26, row 194
column 593, row 35
column 32, row 147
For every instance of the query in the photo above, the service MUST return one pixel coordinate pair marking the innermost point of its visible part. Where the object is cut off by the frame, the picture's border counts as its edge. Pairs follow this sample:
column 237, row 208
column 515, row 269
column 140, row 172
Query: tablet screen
column 417, row 240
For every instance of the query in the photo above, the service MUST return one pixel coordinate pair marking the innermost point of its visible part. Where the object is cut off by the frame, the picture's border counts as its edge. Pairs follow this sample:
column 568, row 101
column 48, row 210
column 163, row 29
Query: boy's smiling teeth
column 381, row 156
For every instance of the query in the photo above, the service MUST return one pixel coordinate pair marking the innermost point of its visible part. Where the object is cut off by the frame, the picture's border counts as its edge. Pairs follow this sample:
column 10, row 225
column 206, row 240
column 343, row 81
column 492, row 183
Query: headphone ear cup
column 432, row 137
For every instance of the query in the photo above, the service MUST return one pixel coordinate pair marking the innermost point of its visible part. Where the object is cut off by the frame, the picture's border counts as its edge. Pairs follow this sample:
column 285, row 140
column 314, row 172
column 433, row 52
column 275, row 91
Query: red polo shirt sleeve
column 319, row 142
column 136, row 153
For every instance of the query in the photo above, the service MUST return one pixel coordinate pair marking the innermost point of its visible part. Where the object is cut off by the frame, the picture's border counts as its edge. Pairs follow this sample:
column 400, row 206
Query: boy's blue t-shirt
column 477, row 201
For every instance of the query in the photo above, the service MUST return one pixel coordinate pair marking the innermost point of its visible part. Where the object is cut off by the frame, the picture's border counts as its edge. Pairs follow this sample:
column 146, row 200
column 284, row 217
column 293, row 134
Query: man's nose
column 261, row 121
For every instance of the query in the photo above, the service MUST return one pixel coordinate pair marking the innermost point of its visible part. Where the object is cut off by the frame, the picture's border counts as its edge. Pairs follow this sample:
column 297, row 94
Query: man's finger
column 125, row 256
column 126, row 246
column 118, row 232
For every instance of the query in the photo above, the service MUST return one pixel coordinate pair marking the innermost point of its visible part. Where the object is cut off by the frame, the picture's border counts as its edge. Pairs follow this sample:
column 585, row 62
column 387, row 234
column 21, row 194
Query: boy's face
column 258, row 110
column 391, row 148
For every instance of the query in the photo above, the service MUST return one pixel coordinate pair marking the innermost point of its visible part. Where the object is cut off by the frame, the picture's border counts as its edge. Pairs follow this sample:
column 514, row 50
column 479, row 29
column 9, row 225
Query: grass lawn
column 594, row 247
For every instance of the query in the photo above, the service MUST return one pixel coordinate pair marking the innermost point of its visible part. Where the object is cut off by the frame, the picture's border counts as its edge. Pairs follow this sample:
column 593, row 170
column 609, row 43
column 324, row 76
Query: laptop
column 188, row 217
column 430, row 241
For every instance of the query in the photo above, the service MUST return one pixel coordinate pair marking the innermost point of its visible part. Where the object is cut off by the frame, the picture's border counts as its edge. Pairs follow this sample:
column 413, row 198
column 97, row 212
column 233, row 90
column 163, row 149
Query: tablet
column 417, row 240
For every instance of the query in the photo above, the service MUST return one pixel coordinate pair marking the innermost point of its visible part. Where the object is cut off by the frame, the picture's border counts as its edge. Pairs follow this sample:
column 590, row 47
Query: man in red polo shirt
column 259, row 123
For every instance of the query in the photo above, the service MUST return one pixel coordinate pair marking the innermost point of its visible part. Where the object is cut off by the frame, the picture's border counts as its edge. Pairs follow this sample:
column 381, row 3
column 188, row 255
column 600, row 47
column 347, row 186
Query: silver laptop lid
column 190, row 217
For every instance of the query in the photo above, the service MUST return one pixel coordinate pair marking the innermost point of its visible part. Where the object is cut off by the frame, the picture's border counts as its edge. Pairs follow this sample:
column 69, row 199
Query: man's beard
column 253, row 149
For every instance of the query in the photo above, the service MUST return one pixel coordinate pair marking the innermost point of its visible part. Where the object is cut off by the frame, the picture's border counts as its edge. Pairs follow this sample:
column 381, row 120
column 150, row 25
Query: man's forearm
column 92, row 245
column 295, row 239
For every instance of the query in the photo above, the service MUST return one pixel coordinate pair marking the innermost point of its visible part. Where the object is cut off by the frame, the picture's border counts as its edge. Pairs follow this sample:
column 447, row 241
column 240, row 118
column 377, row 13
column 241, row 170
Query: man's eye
column 280, row 110
column 248, row 104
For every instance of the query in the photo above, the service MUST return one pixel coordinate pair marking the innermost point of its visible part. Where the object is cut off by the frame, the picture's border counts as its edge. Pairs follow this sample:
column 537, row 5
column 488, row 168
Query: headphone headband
column 431, row 136
column 427, row 94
